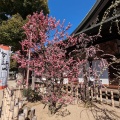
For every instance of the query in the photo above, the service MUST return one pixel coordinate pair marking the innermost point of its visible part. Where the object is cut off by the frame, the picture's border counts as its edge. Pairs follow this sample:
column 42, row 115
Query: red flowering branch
column 51, row 56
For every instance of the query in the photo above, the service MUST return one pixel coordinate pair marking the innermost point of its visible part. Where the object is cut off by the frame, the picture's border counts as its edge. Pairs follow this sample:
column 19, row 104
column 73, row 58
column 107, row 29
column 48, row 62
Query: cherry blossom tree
column 51, row 53
column 45, row 40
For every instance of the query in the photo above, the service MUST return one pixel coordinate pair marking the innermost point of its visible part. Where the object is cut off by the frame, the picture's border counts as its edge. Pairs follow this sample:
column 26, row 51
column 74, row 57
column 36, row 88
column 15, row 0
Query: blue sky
column 72, row 11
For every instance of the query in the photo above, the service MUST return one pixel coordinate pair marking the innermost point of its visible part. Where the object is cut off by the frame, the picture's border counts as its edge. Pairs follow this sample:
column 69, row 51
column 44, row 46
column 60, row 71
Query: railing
column 101, row 95
column 12, row 106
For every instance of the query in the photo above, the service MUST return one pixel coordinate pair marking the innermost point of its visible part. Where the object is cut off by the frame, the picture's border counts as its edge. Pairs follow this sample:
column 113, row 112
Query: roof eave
column 97, row 5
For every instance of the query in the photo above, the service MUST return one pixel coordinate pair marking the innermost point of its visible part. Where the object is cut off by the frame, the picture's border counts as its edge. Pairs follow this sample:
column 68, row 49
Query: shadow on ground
column 100, row 113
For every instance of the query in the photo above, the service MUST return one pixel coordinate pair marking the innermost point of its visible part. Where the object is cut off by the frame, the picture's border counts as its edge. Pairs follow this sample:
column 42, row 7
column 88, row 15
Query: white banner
column 4, row 65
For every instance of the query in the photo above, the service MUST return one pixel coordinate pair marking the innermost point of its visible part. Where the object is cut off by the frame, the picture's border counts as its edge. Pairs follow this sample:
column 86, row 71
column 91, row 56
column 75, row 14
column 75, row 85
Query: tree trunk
column 86, row 84
column 33, row 81
column 51, row 102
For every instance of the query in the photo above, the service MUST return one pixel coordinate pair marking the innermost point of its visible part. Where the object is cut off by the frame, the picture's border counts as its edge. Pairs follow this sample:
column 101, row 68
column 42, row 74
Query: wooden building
column 104, row 19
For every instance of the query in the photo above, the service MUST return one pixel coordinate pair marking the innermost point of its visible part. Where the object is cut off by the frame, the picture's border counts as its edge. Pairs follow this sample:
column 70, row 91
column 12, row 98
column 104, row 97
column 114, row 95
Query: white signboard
column 4, row 65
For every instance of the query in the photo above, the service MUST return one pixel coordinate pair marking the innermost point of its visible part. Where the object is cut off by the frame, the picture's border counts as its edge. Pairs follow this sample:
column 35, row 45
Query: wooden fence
column 13, row 106
column 108, row 96
column 103, row 95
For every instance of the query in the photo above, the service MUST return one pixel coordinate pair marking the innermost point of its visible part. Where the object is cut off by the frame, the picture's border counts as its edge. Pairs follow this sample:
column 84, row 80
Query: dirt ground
column 74, row 111
column 77, row 112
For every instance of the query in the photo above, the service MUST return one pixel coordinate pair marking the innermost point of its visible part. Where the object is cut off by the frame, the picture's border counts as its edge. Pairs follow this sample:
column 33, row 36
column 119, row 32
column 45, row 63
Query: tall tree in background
column 11, row 31
column 13, row 15
column 23, row 7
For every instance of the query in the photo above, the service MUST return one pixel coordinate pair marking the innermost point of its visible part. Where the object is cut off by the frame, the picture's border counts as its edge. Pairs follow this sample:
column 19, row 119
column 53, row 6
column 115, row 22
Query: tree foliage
column 23, row 7
column 13, row 15
column 13, row 64
column 11, row 32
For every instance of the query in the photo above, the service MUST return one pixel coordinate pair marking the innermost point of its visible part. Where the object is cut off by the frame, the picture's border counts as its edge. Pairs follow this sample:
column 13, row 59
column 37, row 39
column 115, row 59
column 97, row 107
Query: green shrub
column 30, row 94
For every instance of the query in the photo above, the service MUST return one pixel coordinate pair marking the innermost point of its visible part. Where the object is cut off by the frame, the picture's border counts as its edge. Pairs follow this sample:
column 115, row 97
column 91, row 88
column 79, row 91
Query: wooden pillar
column 20, row 104
column 21, row 116
column 25, row 111
column 106, row 96
column 119, row 94
column 77, row 92
column 9, row 100
column 5, row 118
column 16, row 101
column 15, row 113
column 34, row 118
column 4, row 93
column 91, row 93
column 13, row 97
column 69, row 92
column 100, row 95
column 11, row 115
column 10, row 93
column 67, row 88
column 112, row 99
column 4, row 108
column 12, row 105
column 2, row 116
column 32, row 114
column 19, row 92
column 7, row 96
column 8, row 110
column 4, row 102
column 33, row 81
column 15, row 93
column 96, row 92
